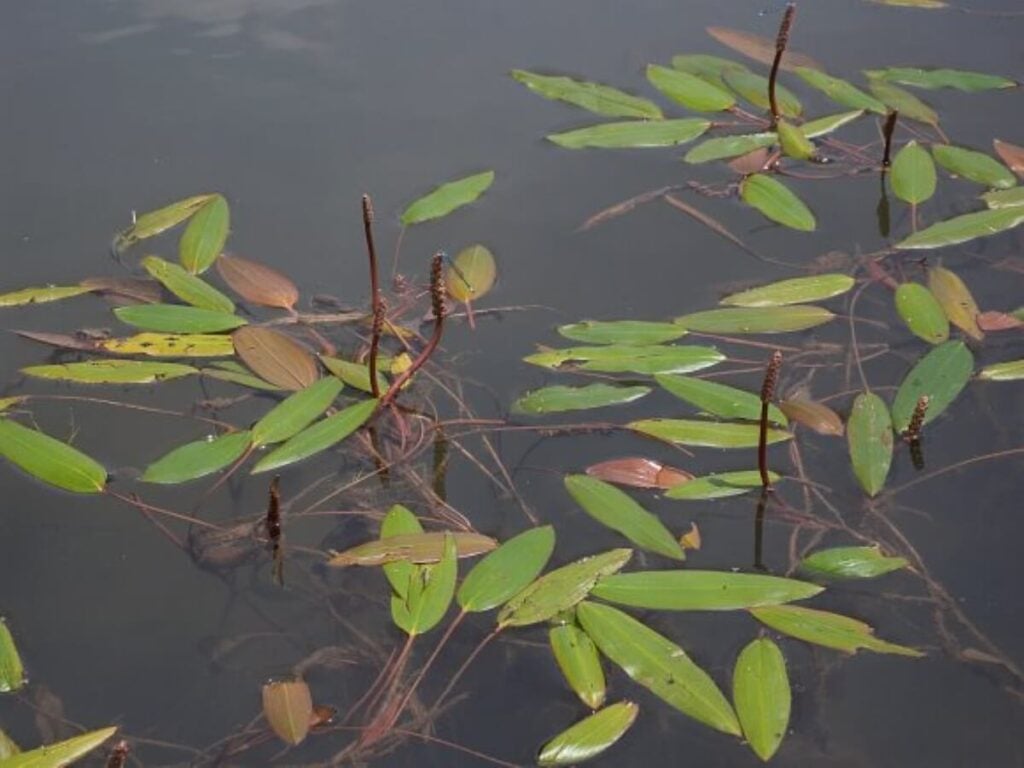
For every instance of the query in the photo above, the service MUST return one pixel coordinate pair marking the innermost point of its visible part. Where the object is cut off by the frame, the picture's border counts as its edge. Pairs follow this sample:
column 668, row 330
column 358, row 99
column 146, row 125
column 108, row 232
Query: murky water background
column 293, row 109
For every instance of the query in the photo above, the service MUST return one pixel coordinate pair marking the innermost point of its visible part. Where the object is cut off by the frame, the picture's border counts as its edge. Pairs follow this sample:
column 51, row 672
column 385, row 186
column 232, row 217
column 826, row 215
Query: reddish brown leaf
column 1011, row 154
column 691, row 539
column 322, row 715
column 62, row 340
column 288, row 708
column 752, row 162
column 638, row 472
column 760, row 48
column 812, row 414
column 257, row 283
column 120, row 291
column 276, row 357
column 998, row 321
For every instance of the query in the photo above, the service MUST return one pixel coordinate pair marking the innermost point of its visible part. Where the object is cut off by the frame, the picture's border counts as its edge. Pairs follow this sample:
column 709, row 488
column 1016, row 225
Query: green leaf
column 869, row 436
column 237, row 374
column 840, row 91
column 617, row 510
column 722, row 147
column 61, row 753
column 793, row 291
column 975, row 166
column 1012, row 370
column 156, row 222
column 399, row 521
column 658, row 664
column 632, row 134
column 198, row 459
column 50, row 460
column 589, row 737
column 798, row 317
column 558, row 399
column 356, row 375
column 7, row 747
column 186, row 286
column 754, row 88
column 447, row 198
column 775, row 200
column 690, row 91
column 594, row 97
column 12, row 672
column 319, row 437
column 628, row 359
column 851, row 563
column 904, row 102
column 719, row 486
column 1004, row 198
column 296, row 412
column 822, row 126
column 577, row 657
column 204, row 237
column 176, row 318
column 940, row 375
column 111, row 371
column 708, row 68
column 701, row 590
column 624, row 332
column 472, row 274
column 942, row 78
column 760, row 691
column 430, row 592
column 922, row 313
column 913, row 174
column 961, row 229
column 925, row 4
column 719, row 399
column 560, row 589
column 828, row 629
column 507, row 570
column 41, row 295
column 793, row 141
column 711, row 434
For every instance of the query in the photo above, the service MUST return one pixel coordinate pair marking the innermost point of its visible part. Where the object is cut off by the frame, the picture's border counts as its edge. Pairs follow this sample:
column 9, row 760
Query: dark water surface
column 292, row 109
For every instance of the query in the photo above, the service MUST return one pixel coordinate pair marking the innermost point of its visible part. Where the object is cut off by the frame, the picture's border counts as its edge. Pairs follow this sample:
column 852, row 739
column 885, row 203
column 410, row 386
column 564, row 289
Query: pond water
column 292, row 109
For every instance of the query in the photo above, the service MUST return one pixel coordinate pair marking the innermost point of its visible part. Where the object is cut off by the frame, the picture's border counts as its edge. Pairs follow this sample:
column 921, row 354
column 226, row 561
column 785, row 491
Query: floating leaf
column 399, row 521
column 558, row 399
column 706, row 433
column 60, row 754
column 41, row 295
column 507, row 570
column 719, row 399
column 828, row 629
column 822, row 126
column 840, row 91
column 793, row 141
column 904, row 102
column 922, row 313
column 851, row 563
column 942, row 78
column 638, row 472
column 690, row 91
column 793, row 291
column 956, row 300
column 12, row 672
column 356, row 375
column 975, row 166
column 8, row 402
column 288, row 708
column 1004, row 198
column 812, row 414
column 613, row 508
column 560, row 589
column 658, row 664
column 50, row 460
column 198, row 459
column 927, row 4
column 175, row 318
column 125, row 290
column 759, row 48
column 913, row 174
column 628, row 359
column 752, row 162
column 633, row 134
column 624, row 332
column 110, row 371
column 708, row 68
column 187, row 287
column 418, row 548
column 1011, row 154
column 775, row 200
column 1012, row 370
column 319, row 437
column 171, row 345
column 448, row 197
column 577, row 657
column 719, row 486
column 204, row 237
column 589, row 737
column 701, row 590
column 257, row 283
column 761, row 694
column 869, row 435
column 798, row 317
column 594, row 97
column 229, row 370
column 296, row 412
column 7, row 747
column 998, row 321
column 969, row 226
column 940, row 375
column 472, row 275
column 754, row 88
column 276, row 357
column 156, row 222
column 722, row 147
column 430, row 593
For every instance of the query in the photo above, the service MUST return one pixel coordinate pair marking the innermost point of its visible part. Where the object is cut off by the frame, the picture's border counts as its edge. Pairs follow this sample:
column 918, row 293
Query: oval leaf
column 186, row 286
column 276, row 357
column 940, row 375
column 706, row 433
column 851, row 563
column 356, row 375
column 633, row 134
column 507, row 570
column 472, row 274
column 796, row 290
column 828, row 629
column 198, row 459
column 974, row 166
column 50, row 460
column 175, row 318
column 577, row 657
column 625, row 332
column 922, row 313
column 869, row 435
column 760, row 691
column 447, row 198
column 719, row 486
column 257, row 283
column 430, row 593
column 701, row 590
column 288, row 708
column 774, row 199
column 798, row 317
column 840, row 91
column 904, row 102
column 759, row 48
column 399, row 521
column 956, row 300
column 690, row 91
column 204, row 237
column 319, row 437
column 754, row 88
column 111, row 371
column 1010, row 154
column 812, row 414
column 558, row 399
column 589, row 737
column 594, row 97
column 296, row 412
column 913, row 174
column 719, row 399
